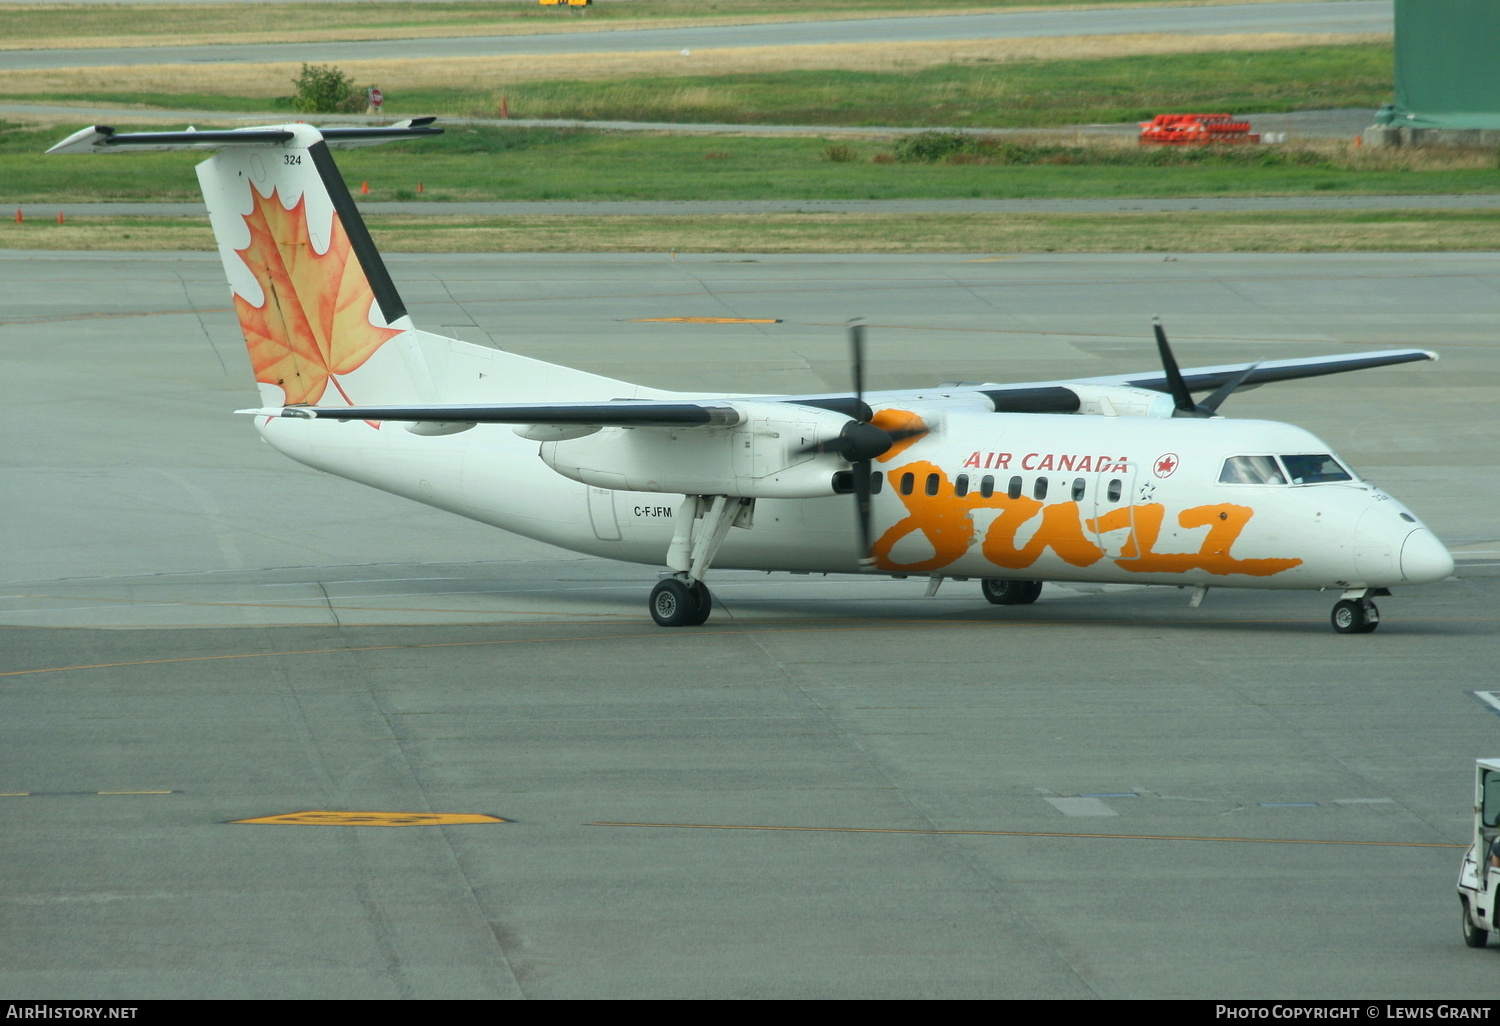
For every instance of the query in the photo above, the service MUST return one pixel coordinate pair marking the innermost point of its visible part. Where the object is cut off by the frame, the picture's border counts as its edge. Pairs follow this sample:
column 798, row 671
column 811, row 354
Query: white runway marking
column 1081, row 807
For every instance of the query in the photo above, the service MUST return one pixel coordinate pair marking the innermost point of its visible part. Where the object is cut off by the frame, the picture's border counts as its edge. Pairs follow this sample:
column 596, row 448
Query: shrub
column 840, row 154
column 882, row 158
column 324, row 89
column 716, row 155
column 930, row 147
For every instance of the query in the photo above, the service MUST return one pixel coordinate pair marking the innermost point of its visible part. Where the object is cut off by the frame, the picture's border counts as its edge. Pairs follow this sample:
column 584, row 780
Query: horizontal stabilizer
column 104, row 139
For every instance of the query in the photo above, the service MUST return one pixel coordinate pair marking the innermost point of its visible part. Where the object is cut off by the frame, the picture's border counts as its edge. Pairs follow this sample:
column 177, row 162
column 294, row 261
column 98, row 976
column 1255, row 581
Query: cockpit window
column 1315, row 468
column 1251, row 470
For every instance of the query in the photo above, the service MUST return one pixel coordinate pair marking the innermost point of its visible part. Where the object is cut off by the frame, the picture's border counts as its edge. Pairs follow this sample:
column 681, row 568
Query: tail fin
column 321, row 318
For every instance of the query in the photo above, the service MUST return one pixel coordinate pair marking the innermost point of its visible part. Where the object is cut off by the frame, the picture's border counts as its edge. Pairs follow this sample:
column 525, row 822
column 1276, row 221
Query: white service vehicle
column 1478, row 880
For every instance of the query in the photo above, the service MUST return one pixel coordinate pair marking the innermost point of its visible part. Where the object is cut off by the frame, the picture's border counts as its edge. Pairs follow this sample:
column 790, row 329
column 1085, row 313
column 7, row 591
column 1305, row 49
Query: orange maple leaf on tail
column 314, row 322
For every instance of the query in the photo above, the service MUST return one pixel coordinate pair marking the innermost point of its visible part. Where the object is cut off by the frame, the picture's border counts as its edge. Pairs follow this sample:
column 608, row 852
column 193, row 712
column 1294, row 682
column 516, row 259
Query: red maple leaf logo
column 314, row 322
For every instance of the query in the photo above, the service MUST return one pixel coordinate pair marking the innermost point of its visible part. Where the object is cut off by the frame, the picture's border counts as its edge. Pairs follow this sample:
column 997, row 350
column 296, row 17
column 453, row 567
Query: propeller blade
column 857, row 344
column 861, row 480
column 1181, row 397
column 902, row 434
column 1224, row 391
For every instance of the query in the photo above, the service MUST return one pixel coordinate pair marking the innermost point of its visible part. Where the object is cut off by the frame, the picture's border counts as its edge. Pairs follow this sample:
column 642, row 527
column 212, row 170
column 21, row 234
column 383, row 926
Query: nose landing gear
column 1004, row 592
column 1355, row 613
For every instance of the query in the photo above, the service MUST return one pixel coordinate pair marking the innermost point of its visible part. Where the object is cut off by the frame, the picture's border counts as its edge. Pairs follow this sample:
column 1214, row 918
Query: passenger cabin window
column 1014, row 491
column 961, row 485
column 1251, row 470
column 1039, row 490
column 932, row 484
column 908, row 482
column 876, row 479
column 1078, row 489
column 987, row 486
column 1114, row 490
column 1315, row 468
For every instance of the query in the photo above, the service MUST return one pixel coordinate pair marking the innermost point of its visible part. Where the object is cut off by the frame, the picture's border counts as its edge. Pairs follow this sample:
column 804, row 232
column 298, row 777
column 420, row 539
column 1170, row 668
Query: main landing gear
column 679, row 603
column 1355, row 613
column 702, row 523
column 1010, row 593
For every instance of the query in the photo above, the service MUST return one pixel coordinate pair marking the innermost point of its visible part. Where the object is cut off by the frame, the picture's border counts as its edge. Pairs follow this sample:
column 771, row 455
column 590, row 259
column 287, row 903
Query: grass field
column 992, row 84
column 49, row 26
column 1299, row 232
column 482, row 163
column 988, row 84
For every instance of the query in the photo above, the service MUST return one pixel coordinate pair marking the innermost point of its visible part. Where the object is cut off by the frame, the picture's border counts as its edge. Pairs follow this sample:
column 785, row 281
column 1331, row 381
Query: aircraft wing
column 1024, row 397
column 626, row 413
column 1202, row 379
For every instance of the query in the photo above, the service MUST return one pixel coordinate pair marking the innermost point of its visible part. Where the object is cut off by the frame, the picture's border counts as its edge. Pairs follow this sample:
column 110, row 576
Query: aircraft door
column 1114, row 515
column 602, row 513
column 1488, row 815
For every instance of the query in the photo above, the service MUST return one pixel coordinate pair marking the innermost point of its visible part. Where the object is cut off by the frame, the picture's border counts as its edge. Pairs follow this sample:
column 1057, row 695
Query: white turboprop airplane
column 1119, row 479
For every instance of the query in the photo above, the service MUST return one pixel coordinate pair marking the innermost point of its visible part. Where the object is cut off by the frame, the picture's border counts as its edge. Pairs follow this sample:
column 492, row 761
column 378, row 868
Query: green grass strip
column 471, row 164
column 1289, row 232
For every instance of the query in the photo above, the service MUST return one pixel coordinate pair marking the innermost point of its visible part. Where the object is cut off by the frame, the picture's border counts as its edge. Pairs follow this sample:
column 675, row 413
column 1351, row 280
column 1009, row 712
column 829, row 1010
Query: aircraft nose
column 1424, row 559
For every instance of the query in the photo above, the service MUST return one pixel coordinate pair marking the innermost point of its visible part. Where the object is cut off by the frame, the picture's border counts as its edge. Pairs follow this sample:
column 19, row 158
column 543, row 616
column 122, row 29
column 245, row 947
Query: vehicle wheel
column 703, row 603
column 1003, row 592
column 1351, row 616
column 672, row 604
column 1474, row 937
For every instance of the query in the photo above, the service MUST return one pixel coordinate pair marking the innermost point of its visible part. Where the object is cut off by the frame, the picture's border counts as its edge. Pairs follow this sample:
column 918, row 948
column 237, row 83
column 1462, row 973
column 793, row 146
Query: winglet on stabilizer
column 104, row 139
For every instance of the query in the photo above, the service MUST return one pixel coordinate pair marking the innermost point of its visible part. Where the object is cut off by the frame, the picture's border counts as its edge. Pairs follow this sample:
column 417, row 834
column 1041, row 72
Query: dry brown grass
column 481, row 74
column 65, row 26
column 1299, row 232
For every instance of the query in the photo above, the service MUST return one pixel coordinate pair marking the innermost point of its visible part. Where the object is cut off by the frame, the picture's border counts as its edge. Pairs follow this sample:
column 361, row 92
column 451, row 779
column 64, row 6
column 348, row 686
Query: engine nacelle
column 1121, row 401
column 761, row 457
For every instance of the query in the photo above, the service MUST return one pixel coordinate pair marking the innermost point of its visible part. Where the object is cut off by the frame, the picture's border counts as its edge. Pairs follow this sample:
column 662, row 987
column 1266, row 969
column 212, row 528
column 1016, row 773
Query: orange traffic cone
column 364, row 188
column 419, row 188
column 504, row 110
column 18, row 215
column 59, row 217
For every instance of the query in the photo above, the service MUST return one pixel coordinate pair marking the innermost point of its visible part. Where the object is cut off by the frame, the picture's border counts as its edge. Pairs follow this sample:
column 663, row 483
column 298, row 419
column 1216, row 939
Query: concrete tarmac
column 837, row 788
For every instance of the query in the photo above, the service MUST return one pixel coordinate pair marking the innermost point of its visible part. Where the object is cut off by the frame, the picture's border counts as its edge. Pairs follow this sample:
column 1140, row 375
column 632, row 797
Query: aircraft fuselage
column 1123, row 500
